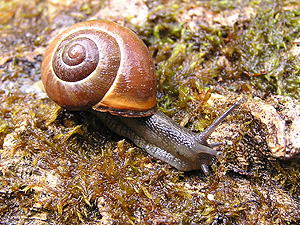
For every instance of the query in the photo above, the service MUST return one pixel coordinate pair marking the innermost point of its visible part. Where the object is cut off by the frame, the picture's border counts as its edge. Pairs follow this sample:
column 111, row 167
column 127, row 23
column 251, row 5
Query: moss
column 218, row 6
column 85, row 167
column 253, row 57
column 63, row 165
column 266, row 43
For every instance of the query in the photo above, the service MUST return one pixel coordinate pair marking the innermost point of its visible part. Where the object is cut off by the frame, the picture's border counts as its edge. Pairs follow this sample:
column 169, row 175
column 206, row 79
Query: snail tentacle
column 203, row 136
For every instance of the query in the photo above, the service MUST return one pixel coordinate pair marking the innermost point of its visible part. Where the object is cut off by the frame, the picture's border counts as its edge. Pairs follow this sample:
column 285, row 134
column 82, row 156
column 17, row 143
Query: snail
column 106, row 68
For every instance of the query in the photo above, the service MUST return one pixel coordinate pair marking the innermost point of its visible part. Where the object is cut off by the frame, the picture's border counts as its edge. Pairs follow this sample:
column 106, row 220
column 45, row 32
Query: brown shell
column 102, row 65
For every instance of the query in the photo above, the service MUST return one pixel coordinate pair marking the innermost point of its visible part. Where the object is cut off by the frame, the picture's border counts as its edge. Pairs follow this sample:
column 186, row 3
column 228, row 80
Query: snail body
column 106, row 68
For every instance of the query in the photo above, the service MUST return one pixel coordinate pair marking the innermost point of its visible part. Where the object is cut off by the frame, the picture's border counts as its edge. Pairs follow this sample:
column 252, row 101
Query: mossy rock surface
column 63, row 167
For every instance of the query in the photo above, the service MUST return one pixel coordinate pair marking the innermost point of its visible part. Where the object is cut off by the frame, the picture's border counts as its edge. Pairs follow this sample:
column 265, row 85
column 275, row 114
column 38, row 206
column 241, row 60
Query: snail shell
column 102, row 65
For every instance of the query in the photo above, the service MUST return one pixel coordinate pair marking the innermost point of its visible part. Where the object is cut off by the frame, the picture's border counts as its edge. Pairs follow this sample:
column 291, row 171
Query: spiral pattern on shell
column 102, row 65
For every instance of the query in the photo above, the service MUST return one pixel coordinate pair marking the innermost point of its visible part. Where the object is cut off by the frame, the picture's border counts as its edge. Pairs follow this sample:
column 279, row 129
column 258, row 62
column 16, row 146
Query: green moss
column 218, row 6
column 264, row 56
column 64, row 165
column 253, row 57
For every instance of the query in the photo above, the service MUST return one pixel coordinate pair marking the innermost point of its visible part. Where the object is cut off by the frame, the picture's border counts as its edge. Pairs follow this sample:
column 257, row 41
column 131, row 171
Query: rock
column 280, row 119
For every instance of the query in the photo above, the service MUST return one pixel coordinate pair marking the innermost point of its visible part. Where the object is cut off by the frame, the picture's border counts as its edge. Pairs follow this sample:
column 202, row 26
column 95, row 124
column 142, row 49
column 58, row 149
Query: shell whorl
column 102, row 65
